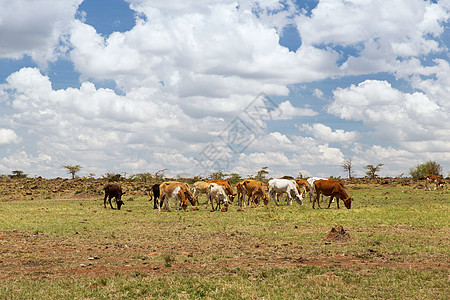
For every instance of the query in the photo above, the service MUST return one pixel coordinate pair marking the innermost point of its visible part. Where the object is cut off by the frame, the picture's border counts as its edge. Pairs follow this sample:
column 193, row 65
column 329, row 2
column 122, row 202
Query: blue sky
column 139, row 85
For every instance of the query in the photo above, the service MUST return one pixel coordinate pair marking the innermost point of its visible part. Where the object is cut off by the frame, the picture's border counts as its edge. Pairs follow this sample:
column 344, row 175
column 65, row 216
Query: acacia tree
column 261, row 174
column 18, row 174
column 347, row 166
column 72, row 169
column 430, row 167
column 373, row 170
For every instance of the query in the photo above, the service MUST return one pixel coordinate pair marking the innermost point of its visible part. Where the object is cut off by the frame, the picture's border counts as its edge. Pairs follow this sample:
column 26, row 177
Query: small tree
column 235, row 178
column 217, row 175
column 261, row 174
column 373, row 170
column 72, row 169
column 430, row 167
column 347, row 166
column 18, row 174
column 160, row 174
column 111, row 177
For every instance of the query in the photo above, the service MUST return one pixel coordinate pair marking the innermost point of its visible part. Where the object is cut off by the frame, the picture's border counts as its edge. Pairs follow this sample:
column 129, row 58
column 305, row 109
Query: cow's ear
column 123, row 193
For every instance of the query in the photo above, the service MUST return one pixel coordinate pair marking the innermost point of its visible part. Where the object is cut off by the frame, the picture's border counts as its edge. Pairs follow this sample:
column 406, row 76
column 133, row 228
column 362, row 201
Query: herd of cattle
column 221, row 193
column 257, row 192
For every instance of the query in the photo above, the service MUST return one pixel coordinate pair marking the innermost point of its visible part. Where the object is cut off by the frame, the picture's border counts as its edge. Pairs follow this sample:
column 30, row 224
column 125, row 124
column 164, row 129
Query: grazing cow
column 436, row 179
column 113, row 191
column 200, row 187
column 331, row 188
column 188, row 193
column 255, row 191
column 302, row 183
column 155, row 191
column 288, row 186
column 217, row 193
column 177, row 190
column 226, row 185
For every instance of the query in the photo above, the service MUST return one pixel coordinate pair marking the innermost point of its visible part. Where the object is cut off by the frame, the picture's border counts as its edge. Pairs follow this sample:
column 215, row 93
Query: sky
column 193, row 87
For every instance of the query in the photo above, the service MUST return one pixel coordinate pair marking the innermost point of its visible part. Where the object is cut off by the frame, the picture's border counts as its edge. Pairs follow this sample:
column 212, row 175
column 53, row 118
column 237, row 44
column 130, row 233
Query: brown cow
column 113, row 191
column 436, row 179
column 331, row 188
column 302, row 183
column 255, row 191
column 226, row 185
column 241, row 192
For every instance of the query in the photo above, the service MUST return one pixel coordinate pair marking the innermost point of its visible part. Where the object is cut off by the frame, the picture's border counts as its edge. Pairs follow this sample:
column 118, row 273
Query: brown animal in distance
column 113, row 191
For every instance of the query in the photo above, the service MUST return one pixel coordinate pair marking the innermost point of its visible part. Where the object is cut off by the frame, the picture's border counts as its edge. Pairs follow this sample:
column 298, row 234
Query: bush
column 430, row 167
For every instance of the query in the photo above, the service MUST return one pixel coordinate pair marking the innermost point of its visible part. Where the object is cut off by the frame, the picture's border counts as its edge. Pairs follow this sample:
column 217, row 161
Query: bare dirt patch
column 24, row 254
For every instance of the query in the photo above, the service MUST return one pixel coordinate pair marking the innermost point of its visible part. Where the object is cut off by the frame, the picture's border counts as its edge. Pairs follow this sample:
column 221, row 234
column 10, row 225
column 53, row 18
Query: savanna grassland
column 57, row 241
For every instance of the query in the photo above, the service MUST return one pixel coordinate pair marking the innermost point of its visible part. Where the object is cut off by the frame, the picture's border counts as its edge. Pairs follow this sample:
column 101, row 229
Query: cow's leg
column 208, row 199
column 160, row 199
column 218, row 202
column 109, row 199
column 104, row 200
column 177, row 199
column 211, row 200
column 166, row 202
column 329, row 202
column 275, row 198
column 317, row 200
column 288, row 198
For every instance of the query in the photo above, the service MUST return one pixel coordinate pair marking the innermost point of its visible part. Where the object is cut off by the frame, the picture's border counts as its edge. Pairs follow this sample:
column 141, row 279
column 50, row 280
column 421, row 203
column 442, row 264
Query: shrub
column 430, row 167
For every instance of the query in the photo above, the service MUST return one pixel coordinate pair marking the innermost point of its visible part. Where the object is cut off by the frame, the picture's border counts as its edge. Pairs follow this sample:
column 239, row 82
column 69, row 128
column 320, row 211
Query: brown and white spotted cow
column 179, row 191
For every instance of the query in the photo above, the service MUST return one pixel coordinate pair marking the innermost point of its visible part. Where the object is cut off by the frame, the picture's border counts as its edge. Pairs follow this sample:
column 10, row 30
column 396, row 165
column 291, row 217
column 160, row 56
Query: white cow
column 217, row 193
column 312, row 190
column 288, row 186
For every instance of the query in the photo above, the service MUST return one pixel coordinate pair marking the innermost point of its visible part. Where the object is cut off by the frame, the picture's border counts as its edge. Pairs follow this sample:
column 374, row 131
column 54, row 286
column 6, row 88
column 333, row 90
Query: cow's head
column 119, row 201
column 193, row 200
column 119, row 204
column 266, row 200
column 231, row 197
column 348, row 202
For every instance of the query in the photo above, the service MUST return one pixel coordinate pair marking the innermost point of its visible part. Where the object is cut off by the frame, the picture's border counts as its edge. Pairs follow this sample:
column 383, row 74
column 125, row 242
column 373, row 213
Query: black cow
column 156, row 193
column 113, row 191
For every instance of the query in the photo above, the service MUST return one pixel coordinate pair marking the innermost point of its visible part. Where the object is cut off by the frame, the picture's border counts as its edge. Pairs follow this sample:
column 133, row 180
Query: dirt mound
column 337, row 233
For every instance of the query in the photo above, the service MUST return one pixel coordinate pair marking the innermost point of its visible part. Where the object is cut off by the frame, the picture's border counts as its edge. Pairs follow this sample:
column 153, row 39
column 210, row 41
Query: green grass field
column 74, row 248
